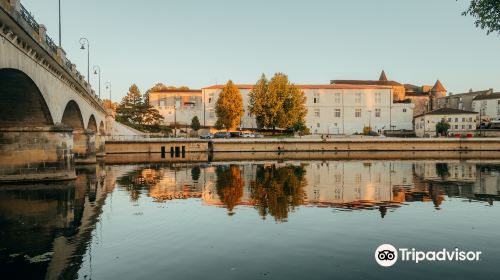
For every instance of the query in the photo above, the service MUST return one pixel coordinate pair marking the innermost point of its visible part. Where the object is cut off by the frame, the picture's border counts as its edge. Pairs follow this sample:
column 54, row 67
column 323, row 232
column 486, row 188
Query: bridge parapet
column 18, row 25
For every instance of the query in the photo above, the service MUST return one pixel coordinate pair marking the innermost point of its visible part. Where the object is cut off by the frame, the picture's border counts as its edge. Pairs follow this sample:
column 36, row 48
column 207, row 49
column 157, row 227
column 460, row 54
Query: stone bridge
column 50, row 118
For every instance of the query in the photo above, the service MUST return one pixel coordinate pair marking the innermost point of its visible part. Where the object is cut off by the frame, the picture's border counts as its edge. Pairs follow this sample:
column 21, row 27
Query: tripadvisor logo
column 387, row 255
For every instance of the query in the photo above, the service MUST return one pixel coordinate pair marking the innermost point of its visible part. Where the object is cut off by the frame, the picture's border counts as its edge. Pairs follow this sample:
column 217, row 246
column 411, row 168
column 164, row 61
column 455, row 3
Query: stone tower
column 438, row 90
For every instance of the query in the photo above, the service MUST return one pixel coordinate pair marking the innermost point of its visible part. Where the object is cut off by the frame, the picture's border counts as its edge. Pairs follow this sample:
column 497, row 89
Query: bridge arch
column 92, row 124
column 21, row 101
column 72, row 116
column 102, row 129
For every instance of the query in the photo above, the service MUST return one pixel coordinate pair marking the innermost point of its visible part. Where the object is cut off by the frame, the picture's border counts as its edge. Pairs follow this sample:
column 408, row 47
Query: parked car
column 207, row 136
column 235, row 134
column 248, row 135
column 258, row 135
column 222, row 135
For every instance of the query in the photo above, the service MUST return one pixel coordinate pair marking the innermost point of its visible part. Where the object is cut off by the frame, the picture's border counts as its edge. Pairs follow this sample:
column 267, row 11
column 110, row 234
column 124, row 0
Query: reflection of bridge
column 50, row 116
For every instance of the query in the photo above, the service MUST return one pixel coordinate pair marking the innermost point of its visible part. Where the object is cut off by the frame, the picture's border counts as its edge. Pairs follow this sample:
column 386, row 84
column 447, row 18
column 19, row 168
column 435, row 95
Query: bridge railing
column 29, row 18
column 49, row 45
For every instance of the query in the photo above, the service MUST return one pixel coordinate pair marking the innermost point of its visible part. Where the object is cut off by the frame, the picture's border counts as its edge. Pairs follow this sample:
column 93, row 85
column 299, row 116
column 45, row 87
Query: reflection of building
column 336, row 183
column 460, row 121
column 448, row 172
column 332, row 109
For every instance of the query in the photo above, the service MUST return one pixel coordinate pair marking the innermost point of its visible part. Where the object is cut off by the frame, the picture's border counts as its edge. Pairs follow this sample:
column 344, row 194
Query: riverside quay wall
column 178, row 149
column 356, row 144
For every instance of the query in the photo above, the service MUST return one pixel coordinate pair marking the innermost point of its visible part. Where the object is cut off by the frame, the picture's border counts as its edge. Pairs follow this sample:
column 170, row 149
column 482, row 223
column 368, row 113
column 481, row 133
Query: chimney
column 470, row 90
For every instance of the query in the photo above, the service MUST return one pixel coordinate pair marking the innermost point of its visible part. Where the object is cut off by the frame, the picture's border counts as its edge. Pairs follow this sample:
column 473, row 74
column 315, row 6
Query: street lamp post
column 83, row 42
column 60, row 43
column 97, row 70
column 108, row 86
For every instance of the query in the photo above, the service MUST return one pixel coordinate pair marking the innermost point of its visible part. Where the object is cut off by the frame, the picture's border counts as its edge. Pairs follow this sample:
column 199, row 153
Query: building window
column 404, row 110
column 470, row 119
column 456, row 126
column 211, row 114
column 378, row 97
column 337, row 113
column 357, row 113
column 463, row 126
column 317, row 124
column 463, row 119
column 470, row 126
column 210, row 100
column 377, row 113
column 449, row 119
column 358, row 98
column 316, row 113
column 456, row 119
column 337, row 97
column 316, row 99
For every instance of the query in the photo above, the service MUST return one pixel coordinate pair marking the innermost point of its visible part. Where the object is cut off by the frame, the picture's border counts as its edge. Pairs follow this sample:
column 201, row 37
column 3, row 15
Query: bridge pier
column 84, row 146
column 99, row 143
column 36, row 153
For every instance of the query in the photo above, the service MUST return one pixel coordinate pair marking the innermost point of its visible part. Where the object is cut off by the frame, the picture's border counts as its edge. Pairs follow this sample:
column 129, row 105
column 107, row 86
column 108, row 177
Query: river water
column 253, row 220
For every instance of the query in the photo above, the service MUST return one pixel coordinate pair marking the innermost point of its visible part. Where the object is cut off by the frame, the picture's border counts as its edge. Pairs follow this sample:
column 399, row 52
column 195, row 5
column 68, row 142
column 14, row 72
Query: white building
column 461, row 122
column 331, row 108
column 488, row 106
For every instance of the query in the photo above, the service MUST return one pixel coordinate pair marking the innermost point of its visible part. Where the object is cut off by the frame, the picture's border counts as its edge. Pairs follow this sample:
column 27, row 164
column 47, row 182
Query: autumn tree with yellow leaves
column 277, row 103
column 229, row 106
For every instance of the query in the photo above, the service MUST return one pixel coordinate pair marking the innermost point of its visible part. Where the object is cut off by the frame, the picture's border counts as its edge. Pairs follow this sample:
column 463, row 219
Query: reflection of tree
column 229, row 186
column 195, row 173
column 277, row 191
column 138, row 180
column 442, row 170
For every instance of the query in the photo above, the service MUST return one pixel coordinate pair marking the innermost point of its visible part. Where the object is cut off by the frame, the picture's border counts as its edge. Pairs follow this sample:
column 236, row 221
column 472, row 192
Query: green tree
column 195, row 124
column 129, row 110
column 277, row 191
column 277, row 103
column 442, row 128
column 229, row 106
column 135, row 111
column 486, row 13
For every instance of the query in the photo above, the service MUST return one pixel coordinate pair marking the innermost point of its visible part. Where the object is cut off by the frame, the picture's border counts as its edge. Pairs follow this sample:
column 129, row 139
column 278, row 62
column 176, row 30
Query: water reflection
column 277, row 189
column 45, row 228
column 47, row 231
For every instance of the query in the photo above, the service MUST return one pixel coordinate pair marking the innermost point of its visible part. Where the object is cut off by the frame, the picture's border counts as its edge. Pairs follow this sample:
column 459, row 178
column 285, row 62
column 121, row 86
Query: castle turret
column 438, row 90
column 383, row 77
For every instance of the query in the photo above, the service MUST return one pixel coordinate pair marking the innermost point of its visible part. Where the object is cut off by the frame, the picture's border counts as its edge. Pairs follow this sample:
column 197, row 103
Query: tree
column 277, row 191
column 487, row 14
column 129, row 110
column 229, row 106
column 138, row 113
column 229, row 185
column 277, row 103
column 442, row 128
column 195, row 124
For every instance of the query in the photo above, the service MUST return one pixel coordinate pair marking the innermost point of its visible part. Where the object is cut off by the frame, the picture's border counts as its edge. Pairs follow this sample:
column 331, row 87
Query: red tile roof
column 438, row 87
column 324, row 86
column 177, row 90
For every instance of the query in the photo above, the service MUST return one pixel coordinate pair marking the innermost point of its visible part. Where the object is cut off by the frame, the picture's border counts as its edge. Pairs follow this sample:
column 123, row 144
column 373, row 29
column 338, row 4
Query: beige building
column 332, row 109
column 421, row 96
column 177, row 106
column 461, row 122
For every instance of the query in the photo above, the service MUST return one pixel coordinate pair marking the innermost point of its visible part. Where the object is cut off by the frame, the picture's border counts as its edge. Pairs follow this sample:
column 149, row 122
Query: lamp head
column 82, row 47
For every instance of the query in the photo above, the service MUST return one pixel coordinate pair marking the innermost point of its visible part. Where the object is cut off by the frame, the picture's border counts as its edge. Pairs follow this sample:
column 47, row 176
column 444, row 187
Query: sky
column 201, row 43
